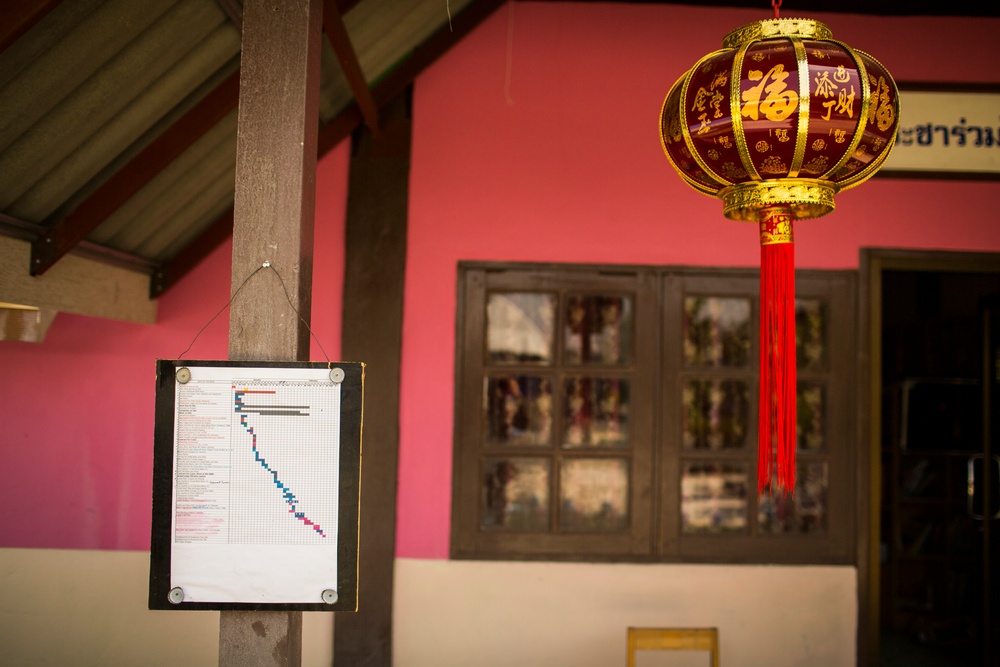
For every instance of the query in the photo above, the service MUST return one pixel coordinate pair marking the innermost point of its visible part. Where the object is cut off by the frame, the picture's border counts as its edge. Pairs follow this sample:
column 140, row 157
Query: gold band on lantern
column 805, row 28
column 805, row 198
column 775, row 225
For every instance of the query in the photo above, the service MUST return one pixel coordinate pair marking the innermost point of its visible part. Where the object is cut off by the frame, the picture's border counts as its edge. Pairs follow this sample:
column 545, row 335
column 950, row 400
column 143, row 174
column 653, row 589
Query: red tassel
column 776, row 425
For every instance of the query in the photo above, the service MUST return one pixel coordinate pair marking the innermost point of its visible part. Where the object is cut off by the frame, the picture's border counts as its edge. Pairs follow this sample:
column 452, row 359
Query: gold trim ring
column 806, row 198
column 805, row 28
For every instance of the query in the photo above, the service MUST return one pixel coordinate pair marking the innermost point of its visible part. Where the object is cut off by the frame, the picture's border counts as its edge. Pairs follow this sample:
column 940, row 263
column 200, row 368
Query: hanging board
column 256, row 485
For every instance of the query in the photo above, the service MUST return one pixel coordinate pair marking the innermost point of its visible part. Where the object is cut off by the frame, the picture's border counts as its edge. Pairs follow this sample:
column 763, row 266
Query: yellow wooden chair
column 675, row 639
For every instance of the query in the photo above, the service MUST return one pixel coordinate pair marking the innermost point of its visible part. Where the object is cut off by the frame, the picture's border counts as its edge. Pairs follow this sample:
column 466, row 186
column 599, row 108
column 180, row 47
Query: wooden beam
column 375, row 266
column 234, row 10
column 273, row 212
column 404, row 74
column 336, row 32
column 17, row 18
column 63, row 236
column 78, row 285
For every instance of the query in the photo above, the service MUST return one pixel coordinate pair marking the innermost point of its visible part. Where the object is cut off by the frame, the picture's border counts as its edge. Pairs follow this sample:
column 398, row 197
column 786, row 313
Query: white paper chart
column 255, row 485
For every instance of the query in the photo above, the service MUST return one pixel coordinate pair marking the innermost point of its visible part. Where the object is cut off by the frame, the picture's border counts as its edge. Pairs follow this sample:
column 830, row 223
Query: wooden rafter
column 63, row 236
column 336, row 32
column 17, row 18
column 400, row 77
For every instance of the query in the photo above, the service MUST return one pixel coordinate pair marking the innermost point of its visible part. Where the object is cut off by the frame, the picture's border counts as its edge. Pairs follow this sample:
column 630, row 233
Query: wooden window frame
column 655, row 371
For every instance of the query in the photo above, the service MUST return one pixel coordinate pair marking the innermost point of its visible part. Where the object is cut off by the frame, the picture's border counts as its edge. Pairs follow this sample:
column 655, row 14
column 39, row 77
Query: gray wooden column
column 273, row 223
column 375, row 264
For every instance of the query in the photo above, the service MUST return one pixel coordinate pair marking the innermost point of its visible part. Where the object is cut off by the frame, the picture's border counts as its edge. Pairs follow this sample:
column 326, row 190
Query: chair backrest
column 676, row 639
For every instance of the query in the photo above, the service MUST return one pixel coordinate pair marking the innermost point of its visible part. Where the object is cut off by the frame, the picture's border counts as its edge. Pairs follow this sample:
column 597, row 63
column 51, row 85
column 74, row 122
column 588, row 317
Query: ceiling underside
column 118, row 118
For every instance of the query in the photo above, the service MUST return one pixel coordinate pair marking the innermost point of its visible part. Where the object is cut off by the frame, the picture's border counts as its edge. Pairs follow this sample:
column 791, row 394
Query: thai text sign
column 948, row 131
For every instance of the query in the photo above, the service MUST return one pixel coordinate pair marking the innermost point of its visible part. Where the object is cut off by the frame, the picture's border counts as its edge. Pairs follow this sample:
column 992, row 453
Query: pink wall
column 77, row 410
column 563, row 164
column 568, row 169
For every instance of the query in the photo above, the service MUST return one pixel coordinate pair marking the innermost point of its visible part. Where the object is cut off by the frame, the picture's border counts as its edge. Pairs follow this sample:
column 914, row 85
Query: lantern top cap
column 805, row 28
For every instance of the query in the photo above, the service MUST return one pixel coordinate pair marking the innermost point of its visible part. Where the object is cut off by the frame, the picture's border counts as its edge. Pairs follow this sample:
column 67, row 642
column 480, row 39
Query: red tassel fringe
column 776, row 426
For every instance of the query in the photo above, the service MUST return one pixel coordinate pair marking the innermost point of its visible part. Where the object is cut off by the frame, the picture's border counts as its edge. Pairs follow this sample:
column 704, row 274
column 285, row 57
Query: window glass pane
column 713, row 497
column 810, row 333
column 593, row 494
column 598, row 330
column 716, row 332
column 810, row 412
column 515, row 493
column 518, row 410
column 520, row 328
column 805, row 512
column 596, row 412
column 716, row 414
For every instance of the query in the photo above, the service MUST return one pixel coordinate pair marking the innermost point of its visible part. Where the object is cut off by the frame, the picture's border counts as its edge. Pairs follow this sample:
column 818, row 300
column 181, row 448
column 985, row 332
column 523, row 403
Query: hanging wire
column 510, row 54
column 265, row 265
column 777, row 5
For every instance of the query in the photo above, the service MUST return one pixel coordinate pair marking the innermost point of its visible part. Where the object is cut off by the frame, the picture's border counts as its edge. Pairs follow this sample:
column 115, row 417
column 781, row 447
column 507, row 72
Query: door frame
column 873, row 262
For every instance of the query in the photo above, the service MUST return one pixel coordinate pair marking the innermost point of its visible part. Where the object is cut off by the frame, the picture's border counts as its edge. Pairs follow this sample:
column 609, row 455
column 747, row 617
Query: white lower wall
column 82, row 608
column 88, row 608
column 452, row 613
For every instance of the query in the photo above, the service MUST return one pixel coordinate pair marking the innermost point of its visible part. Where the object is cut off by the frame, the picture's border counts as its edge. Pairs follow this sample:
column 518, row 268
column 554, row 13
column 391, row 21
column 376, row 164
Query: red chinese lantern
column 775, row 124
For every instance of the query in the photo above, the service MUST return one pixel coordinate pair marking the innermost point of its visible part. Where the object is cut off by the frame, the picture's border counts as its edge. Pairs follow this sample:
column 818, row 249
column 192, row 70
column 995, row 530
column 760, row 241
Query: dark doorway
column 938, row 538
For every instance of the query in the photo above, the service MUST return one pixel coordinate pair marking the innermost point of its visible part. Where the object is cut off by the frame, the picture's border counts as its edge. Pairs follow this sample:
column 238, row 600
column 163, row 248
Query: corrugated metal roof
column 95, row 82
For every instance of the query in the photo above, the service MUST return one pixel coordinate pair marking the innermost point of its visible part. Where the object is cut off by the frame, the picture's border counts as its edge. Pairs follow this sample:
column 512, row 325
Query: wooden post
column 273, row 224
column 374, row 271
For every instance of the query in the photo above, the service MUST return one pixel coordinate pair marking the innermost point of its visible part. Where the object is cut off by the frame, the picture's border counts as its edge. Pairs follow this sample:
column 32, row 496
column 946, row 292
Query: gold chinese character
column 782, row 135
column 841, row 75
column 779, row 103
column 829, row 108
column 825, row 87
column 716, row 103
column 703, row 128
column 881, row 110
column 699, row 100
column 719, row 81
column 845, row 102
column 840, row 136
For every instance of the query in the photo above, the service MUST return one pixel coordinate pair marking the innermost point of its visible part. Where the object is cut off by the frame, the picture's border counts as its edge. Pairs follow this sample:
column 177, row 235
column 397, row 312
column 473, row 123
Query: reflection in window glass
column 716, row 332
column 810, row 410
column 515, row 493
column 518, row 410
column 810, row 333
column 713, row 497
column 598, row 330
column 520, row 327
column 716, row 414
column 593, row 494
column 596, row 412
column 805, row 512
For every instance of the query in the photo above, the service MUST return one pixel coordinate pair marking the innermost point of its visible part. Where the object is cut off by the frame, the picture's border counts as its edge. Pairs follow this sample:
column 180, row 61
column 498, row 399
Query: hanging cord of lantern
column 777, row 5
